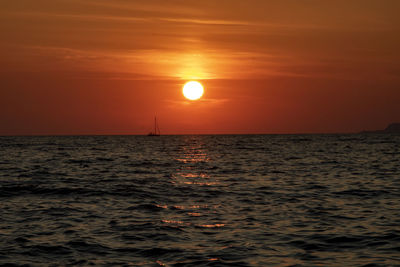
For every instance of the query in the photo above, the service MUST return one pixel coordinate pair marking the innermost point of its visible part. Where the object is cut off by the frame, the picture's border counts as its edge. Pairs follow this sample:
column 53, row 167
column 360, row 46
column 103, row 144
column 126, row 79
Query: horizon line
column 190, row 134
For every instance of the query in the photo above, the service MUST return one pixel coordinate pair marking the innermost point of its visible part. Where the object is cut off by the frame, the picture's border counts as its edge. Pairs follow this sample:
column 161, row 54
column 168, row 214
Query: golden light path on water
column 190, row 175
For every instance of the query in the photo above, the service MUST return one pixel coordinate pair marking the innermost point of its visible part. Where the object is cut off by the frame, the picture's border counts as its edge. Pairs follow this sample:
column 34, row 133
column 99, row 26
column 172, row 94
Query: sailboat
column 156, row 129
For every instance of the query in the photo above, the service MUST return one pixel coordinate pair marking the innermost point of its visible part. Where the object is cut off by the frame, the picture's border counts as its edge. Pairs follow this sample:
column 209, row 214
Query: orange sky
column 106, row 67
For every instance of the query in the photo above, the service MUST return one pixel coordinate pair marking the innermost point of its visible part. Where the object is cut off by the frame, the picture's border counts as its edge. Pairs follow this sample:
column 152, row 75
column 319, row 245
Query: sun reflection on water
column 193, row 158
column 192, row 174
column 193, row 154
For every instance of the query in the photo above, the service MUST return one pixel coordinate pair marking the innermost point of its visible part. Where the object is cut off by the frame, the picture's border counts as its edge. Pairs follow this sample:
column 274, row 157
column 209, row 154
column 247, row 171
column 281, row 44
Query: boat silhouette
column 156, row 129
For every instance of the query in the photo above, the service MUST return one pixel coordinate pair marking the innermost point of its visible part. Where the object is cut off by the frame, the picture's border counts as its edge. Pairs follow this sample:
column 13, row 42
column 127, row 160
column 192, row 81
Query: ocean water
column 224, row 200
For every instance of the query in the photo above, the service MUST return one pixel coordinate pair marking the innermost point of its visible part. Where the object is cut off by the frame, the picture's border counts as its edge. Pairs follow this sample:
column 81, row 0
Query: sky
column 108, row 67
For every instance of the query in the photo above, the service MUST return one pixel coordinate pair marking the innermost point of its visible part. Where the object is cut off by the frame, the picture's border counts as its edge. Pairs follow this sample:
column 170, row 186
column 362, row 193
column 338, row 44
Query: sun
column 193, row 90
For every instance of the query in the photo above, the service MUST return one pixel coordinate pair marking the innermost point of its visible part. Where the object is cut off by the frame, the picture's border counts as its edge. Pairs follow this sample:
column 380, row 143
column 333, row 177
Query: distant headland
column 391, row 128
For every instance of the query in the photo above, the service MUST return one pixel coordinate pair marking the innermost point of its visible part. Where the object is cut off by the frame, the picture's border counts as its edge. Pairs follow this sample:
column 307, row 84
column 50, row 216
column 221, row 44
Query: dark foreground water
column 278, row 200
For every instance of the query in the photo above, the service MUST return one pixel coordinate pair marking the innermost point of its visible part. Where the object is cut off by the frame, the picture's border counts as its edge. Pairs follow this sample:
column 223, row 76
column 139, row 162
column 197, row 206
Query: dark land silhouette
column 391, row 128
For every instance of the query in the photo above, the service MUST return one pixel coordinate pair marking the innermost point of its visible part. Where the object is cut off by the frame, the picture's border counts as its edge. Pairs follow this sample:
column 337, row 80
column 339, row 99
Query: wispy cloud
column 189, row 39
column 203, row 102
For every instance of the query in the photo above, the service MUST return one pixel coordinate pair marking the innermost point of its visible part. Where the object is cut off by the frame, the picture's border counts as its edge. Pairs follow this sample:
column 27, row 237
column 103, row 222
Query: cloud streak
column 203, row 40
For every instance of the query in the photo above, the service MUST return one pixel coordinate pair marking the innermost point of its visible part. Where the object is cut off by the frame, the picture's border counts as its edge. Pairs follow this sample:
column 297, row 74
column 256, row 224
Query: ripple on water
column 260, row 200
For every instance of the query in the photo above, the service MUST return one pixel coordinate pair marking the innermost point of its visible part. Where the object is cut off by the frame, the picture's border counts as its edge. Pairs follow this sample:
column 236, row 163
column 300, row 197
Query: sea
column 200, row 200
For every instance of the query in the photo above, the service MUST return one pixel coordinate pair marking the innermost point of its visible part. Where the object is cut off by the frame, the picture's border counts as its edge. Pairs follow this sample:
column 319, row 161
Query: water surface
column 256, row 200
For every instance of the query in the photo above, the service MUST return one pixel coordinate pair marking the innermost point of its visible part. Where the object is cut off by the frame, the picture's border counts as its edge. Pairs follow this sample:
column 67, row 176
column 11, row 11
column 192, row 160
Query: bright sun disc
column 193, row 90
